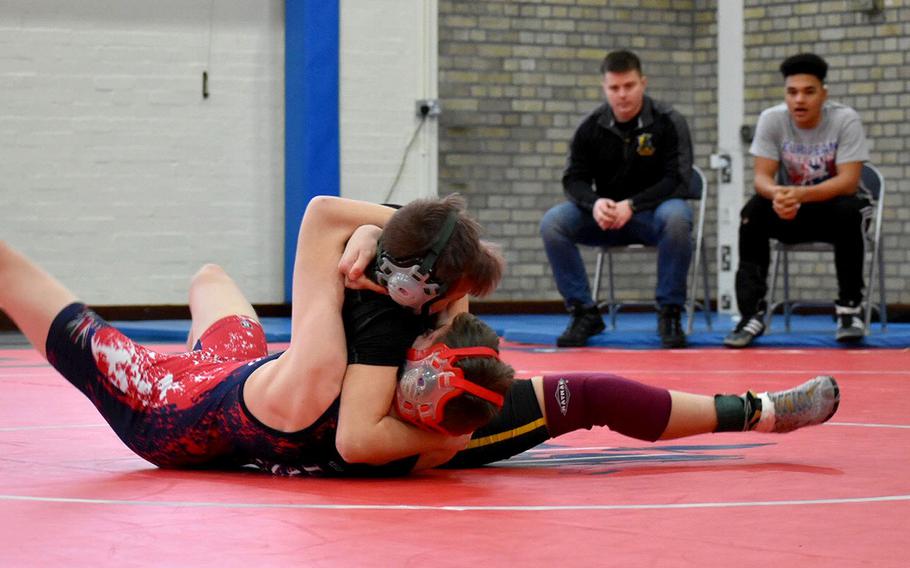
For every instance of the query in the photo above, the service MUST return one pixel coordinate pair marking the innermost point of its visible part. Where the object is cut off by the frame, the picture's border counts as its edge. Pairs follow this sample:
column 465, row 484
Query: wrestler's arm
column 326, row 227
column 367, row 433
column 296, row 388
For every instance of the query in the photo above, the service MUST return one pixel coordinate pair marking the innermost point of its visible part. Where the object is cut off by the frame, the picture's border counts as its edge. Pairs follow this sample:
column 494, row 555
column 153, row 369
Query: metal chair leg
column 883, row 313
column 613, row 307
column 693, row 294
column 772, row 305
column 597, row 272
column 706, row 277
column 787, row 306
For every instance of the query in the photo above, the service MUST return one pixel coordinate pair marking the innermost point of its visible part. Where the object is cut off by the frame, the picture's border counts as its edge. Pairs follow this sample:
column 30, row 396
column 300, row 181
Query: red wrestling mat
column 838, row 495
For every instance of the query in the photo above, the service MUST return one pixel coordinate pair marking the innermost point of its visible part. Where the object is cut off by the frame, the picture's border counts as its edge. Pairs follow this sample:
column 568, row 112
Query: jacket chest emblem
column 645, row 145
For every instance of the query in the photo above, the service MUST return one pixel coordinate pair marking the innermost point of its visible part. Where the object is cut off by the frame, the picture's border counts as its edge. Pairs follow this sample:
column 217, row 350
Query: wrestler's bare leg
column 214, row 295
column 30, row 296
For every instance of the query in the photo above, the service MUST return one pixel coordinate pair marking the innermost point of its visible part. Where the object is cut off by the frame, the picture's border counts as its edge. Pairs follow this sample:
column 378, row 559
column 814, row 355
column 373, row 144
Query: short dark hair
column 413, row 228
column 466, row 413
column 620, row 61
column 805, row 63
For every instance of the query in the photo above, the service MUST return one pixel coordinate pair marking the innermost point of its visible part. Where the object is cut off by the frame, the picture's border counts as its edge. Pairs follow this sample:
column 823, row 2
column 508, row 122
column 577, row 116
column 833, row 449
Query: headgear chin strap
column 431, row 379
column 410, row 281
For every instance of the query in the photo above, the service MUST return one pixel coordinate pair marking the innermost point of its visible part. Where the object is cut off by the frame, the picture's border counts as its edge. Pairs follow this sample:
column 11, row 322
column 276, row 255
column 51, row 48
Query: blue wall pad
column 312, row 147
column 277, row 330
column 633, row 331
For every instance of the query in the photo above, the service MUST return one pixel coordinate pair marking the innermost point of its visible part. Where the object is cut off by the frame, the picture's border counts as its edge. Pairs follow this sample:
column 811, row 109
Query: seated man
column 629, row 166
column 817, row 149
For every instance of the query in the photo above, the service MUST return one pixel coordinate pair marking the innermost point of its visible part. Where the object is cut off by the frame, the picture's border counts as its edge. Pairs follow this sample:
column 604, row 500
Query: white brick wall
column 119, row 178
column 115, row 173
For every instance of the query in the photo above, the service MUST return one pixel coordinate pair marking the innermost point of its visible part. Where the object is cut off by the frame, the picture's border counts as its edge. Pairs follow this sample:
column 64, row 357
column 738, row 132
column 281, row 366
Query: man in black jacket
column 628, row 171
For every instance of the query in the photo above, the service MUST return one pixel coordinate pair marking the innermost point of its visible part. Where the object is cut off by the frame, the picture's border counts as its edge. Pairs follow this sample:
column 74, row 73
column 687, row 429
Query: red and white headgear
column 431, row 379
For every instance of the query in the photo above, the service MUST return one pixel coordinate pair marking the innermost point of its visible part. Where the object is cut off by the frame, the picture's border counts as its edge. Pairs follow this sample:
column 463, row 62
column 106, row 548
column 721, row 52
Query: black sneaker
column 670, row 328
column 585, row 323
column 746, row 330
column 850, row 325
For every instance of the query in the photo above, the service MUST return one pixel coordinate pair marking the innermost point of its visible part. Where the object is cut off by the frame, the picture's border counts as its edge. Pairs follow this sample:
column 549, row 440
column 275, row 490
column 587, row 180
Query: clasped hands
column 787, row 200
column 609, row 214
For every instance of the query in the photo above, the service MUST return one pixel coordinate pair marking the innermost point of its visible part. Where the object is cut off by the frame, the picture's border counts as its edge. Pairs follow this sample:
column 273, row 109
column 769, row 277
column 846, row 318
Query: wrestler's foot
column 811, row 403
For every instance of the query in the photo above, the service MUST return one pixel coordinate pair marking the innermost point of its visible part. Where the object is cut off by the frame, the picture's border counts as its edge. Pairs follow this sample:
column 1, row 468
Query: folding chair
column 698, row 189
column 872, row 180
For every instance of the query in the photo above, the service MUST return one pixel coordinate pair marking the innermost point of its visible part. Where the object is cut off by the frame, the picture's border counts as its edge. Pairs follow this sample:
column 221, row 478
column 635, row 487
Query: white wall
column 119, row 178
column 116, row 174
column 388, row 62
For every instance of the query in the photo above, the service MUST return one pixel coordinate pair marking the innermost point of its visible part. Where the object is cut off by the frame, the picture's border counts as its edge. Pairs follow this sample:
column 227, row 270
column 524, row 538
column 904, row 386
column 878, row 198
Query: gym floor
column 835, row 495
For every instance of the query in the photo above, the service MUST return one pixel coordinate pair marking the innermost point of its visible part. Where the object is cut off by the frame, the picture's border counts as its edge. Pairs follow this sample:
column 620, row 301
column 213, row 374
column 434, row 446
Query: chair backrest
column 698, row 189
column 696, row 184
column 871, row 179
column 874, row 183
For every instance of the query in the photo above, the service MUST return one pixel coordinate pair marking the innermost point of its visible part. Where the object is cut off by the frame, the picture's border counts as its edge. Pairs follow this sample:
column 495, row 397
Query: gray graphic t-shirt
column 809, row 156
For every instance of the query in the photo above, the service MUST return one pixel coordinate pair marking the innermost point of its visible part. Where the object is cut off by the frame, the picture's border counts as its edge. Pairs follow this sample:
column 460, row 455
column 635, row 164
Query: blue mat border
column 633, row 331
column 639, row 331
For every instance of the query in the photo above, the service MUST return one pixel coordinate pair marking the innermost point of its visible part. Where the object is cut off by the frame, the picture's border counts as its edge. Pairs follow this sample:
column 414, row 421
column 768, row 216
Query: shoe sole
column 850, row 337
column 836, row 388
column 739, row 344
column 836, row 398
column 583, row 343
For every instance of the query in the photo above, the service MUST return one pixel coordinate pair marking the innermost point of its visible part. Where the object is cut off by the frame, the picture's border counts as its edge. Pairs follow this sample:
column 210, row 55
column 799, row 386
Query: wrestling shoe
column 811, row 403
column 585, row 323
column 850, row 325
column 746, row 330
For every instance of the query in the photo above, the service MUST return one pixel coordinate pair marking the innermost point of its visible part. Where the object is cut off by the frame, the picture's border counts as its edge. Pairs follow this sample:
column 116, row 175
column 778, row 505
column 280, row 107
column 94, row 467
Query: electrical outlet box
column 428, row 107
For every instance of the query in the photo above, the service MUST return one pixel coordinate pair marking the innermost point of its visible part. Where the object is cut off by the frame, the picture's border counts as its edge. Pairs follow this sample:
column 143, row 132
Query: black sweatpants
column 841, row 221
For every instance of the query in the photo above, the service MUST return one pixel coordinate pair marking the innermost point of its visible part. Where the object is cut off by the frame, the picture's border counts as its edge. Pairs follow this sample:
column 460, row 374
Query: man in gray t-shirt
column 809, row 154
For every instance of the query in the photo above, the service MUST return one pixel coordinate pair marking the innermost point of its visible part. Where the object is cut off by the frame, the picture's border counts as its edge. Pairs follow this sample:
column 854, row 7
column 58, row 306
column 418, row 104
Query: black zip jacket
column 649, row 165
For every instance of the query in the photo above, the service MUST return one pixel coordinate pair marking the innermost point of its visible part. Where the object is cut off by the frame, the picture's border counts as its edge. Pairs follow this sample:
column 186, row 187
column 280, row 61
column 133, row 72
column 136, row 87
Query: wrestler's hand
column 458, row 443
column 357, row 256
column 435, row 458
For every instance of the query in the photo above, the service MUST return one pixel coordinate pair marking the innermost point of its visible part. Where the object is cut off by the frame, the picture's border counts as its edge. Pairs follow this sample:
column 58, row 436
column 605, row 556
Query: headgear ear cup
column 411, row 284
column 431, row 379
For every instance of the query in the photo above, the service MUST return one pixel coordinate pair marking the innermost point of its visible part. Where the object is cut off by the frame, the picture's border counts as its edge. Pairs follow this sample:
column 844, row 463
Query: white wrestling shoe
column 809, row 404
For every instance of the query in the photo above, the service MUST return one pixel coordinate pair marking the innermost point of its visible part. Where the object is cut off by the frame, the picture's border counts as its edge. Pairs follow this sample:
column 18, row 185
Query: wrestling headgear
column 431, row 379
column 409, row 281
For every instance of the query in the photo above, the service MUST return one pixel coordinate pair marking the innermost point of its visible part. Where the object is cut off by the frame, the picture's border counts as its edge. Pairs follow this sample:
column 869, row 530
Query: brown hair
column 620, row 61
column 466, row 412
column 413, row 228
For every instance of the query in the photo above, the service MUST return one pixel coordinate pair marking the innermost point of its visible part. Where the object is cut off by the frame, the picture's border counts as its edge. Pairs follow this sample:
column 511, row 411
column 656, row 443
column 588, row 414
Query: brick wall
column 517, row 77
column 868, row 70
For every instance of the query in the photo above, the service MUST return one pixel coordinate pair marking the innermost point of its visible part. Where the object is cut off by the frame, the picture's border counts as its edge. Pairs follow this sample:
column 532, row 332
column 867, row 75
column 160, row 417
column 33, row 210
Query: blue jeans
column 669, row 228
